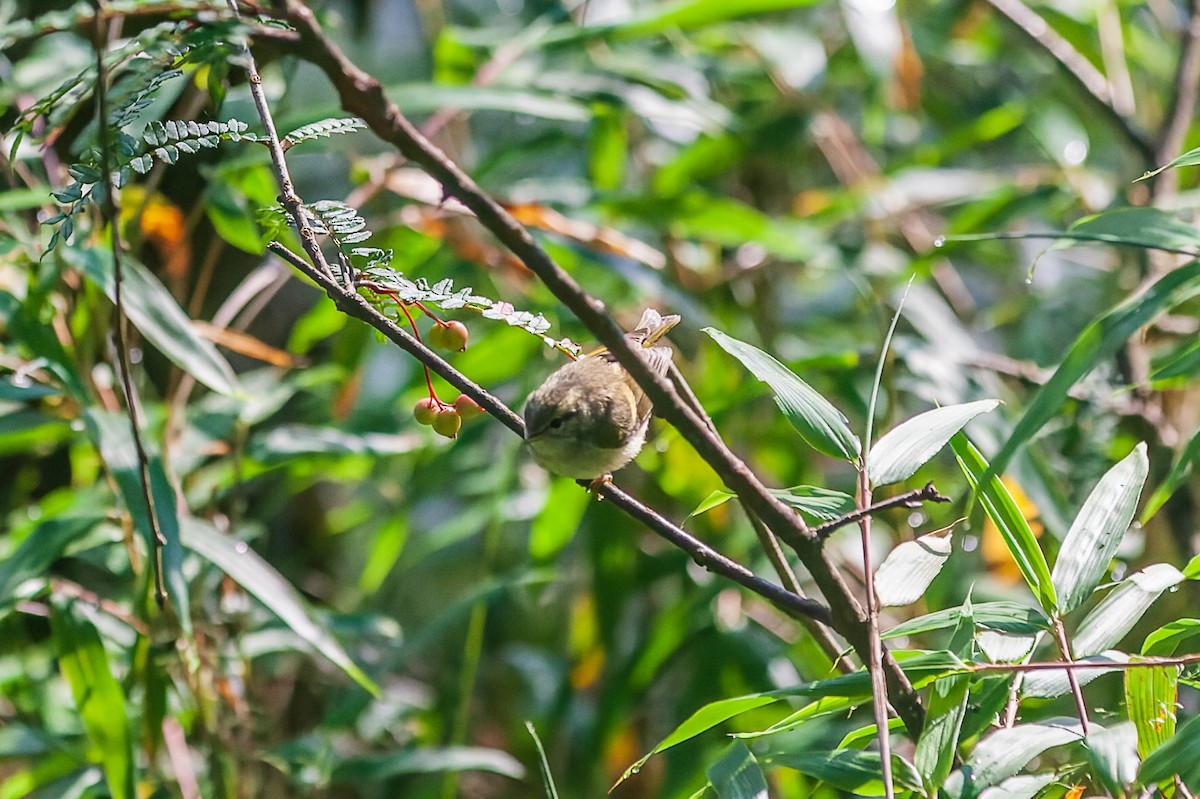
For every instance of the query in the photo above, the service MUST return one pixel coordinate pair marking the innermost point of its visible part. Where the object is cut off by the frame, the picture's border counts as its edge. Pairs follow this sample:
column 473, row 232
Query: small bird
column 590, row 418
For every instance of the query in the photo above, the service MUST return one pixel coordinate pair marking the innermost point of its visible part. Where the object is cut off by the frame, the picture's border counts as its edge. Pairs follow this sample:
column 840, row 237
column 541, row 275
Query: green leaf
column 368, row 768
column 703, row 720
column 1177, row 475
column 938, row 744
column 1150, row 696
column 1114, row 755
column 1141, row 226
column 417, row 98
column 543, row 764
column 909, row 569
column 1097, row 531
column 1109, row 621
column 1180, row 755
column 908, row 446
column 44, row 545
column 1049, row 683
column 818, row 422
column 1165, row 641
column 154, row 312
column 264, row 583
column 1095, row 345
column 1005, row 752
column 98, row 697
column 1190, row 158
column 736, row 774
column 850, row 770
column 823, row 504
column 1004, row 616
column 1002, row 509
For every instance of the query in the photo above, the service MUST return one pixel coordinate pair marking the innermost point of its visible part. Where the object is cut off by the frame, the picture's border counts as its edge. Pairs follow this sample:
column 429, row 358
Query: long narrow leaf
column 1150, row 696
column 1180, row 755
column 1005, row 752
column 1002, row 509
column 1097, row 530
column 98, row 697
column 262, row 581
column 908, row 446
column 736, row 774
column 1095, row 345
column 154, row 312
column 818, row 422
column 1109, row 621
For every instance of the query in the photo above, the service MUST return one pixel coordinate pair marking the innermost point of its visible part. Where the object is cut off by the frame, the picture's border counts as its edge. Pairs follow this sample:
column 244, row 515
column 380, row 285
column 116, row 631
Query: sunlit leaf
column 1150, row 696
column 818, row 422
column 1005, row 752
column 98, row 697
column 1109, row 621
column 908, row 446
column 1097, row 531
column 368, row 768
column 1049, row 683
column 1178, row 756
column 268, row 586
column 1166, row 640
column 154, row 312
column 1114, row 755
column 1004, row 513
column 909, row 569
column 1004, row 616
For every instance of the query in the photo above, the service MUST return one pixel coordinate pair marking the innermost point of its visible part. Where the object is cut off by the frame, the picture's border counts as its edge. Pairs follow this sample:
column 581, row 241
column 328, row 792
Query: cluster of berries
column 446, row 418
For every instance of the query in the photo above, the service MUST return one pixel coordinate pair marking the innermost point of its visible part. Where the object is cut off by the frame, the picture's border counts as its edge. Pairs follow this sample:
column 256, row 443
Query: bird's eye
column 557, row 423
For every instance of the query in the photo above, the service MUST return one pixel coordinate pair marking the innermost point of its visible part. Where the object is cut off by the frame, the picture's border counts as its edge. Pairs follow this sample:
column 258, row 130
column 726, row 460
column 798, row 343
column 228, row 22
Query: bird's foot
column 599, row 483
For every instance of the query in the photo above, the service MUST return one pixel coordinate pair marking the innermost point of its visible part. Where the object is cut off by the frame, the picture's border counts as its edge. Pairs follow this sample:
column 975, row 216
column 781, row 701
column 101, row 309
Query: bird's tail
column 652, row 327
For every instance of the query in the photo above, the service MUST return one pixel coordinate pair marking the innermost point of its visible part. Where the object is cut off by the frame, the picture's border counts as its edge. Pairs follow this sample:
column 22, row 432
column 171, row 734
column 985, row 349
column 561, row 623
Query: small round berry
column 449, row 336
column 467, row 408
column 447, row 422
column 426, row 410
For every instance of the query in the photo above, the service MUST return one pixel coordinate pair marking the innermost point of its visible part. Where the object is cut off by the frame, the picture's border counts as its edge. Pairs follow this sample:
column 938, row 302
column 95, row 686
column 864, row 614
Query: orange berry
column 449, row 336
column 467, row 408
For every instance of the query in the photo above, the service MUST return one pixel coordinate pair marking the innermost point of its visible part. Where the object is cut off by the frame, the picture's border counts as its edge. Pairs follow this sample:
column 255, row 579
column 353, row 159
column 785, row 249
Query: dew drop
column 240, row 547
column 940, row 241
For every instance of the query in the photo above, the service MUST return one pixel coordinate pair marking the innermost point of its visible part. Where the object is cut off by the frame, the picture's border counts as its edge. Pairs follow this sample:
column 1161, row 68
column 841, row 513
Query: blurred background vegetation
column 777, row 170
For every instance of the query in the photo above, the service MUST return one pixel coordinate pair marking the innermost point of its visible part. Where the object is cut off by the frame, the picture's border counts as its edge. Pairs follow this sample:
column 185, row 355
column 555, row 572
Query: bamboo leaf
column 264, row 583
column 818, row 422
column 909, row 569
column 908, row 446
column 736, row 774
column 1150, row 696
column 98, row 697
column 1002, row 509
column 1095, row 345
column 1109, row 621
column 1098, row 529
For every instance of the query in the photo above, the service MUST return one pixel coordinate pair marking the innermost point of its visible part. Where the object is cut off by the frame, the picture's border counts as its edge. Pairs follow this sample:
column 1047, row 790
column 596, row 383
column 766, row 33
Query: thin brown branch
column 909, row 499
column 798, row 607
column 108, row 207
column 1064, row 646
column 879, row 696
column 363, row 95
column 1094, row 85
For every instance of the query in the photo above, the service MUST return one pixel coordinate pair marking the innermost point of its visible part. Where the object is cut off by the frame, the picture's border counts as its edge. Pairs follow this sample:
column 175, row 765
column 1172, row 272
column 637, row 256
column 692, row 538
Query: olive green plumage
column 589, row 417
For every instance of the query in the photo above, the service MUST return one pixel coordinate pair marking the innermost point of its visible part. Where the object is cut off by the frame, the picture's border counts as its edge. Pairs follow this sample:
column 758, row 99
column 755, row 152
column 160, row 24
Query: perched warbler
column 590, row 418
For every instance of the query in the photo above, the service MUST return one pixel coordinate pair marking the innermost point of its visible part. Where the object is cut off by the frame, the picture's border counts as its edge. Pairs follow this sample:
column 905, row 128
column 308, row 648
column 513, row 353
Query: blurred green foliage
column 358, row 607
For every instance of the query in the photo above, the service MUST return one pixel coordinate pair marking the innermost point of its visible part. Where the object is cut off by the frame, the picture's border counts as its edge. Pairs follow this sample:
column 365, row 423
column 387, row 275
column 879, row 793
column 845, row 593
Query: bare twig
column 1094, row 85
column 158, row 539
column 909, row 499
column 1064, row 646
column 358, row 307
